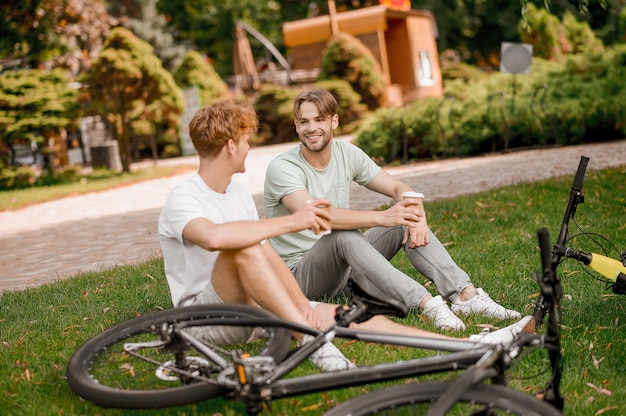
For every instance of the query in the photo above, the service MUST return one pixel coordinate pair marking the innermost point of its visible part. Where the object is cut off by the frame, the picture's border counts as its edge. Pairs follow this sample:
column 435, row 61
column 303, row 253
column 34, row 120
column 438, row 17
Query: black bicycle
column 167, row 359
column 160, row 359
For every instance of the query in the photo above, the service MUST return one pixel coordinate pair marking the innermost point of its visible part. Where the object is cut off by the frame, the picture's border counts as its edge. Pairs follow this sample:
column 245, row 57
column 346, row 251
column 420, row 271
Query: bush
column 545, row 32
column 401, row 133
column 19, row 177
column 274, row 106
column 581, row 36
column 196, row 71
column 577, row 100
column 348, row 59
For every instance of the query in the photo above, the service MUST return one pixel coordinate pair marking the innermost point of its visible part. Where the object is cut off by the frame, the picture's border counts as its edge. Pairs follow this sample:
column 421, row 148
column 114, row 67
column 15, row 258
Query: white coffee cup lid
column 412, row 195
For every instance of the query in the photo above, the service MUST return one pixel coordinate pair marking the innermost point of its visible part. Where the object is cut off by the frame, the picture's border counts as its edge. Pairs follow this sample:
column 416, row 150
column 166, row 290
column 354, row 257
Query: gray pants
column 325, row 269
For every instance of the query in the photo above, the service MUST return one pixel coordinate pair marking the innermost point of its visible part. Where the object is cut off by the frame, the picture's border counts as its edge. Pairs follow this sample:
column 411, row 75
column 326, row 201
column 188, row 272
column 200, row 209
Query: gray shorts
column 222, row 335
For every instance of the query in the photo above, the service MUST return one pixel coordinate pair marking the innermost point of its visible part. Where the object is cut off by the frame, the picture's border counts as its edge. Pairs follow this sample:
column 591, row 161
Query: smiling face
column 315, row 131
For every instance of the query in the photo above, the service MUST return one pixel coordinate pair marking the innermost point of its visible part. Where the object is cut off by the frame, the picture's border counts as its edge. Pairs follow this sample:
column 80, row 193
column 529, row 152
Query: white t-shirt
column 290, row 172
column 188, row 267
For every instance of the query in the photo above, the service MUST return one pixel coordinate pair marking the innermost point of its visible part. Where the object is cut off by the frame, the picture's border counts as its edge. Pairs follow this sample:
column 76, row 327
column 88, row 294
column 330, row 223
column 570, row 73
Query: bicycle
column 154, row 361
column 157, row 360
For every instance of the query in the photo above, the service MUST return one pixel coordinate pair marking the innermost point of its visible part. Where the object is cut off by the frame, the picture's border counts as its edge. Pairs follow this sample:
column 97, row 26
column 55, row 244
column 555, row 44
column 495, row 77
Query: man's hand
column 417, row 234
column 403, row 213
column 313, row 215
column 414, row 215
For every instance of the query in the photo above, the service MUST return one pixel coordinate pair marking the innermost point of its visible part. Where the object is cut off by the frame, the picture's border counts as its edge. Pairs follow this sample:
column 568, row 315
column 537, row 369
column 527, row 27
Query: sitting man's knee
column 347, row 235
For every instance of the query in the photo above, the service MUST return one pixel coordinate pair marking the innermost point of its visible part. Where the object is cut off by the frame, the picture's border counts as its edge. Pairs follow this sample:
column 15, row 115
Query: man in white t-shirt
column 215, row 247
column 325, row 168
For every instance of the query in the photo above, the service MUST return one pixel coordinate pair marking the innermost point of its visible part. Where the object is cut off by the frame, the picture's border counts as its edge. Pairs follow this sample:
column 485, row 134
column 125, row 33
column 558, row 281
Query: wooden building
column 403, row 41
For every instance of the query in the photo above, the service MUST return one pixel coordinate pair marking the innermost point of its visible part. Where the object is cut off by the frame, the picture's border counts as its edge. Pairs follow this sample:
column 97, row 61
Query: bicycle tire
column 101, row 372
column 415, row 399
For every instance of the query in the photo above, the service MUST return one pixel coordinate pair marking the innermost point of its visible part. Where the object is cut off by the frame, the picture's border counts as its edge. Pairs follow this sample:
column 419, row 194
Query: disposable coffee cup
column 326, row 228
column 407, row 195
column 416, row 197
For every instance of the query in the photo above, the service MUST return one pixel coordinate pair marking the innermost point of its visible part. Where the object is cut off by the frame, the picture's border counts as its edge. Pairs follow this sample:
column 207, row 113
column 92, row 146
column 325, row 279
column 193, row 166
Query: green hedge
column 580, row 99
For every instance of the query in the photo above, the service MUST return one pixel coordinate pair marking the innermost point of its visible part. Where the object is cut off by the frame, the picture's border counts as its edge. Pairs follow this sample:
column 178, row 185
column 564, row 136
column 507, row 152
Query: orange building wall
column 395, row 37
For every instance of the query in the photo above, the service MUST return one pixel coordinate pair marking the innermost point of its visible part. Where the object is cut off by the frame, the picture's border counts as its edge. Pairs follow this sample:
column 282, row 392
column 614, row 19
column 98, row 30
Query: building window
column 425, row 72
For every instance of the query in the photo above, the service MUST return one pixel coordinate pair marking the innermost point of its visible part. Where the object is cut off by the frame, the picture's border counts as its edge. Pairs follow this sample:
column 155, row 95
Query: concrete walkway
column 58, row 239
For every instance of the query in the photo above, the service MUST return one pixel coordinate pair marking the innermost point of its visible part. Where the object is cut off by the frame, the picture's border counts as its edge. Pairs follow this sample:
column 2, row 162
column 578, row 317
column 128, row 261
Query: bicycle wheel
column 416, row 399
column 165, row 374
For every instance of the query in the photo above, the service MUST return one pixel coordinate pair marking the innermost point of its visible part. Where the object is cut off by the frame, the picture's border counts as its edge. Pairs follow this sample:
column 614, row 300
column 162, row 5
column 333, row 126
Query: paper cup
column 413, row 196
column 326, row 228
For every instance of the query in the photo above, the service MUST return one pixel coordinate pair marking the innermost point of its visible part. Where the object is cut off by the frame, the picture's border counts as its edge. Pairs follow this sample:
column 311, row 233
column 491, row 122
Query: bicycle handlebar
column 579, row 179
column 613, row 270
column 575, row 197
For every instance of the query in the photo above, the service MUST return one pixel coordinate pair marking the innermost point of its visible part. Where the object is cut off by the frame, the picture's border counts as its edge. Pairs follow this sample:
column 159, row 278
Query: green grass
column 21, row 198
column 492, row 235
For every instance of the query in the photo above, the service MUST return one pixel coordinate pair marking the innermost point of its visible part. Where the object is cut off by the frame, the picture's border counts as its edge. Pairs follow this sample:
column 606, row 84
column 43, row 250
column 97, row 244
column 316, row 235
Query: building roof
column 355, row 22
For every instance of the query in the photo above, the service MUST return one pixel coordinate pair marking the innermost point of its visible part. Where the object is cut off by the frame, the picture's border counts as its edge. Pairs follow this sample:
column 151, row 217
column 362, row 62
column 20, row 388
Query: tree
column 552, row 38
column 210, row 24
column 53, row 33
column 475, row 29
column 35, row 105
column 143, row 19
column 196, row 71
column 127, row 84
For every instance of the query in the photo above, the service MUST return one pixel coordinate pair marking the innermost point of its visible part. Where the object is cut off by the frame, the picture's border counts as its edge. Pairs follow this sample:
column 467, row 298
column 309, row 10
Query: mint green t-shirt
column 290, row 172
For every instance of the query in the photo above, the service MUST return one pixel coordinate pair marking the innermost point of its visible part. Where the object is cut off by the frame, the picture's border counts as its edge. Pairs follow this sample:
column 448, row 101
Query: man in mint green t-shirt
column 321, row 167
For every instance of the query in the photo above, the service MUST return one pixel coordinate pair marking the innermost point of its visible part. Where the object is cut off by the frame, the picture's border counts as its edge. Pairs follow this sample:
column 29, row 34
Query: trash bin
column 106, row 155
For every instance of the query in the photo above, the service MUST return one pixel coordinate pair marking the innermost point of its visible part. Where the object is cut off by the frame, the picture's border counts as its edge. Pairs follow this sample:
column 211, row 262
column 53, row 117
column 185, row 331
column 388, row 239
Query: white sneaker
column 506, row 334
column 438, row 312
column 328, row 358
column 482, row 304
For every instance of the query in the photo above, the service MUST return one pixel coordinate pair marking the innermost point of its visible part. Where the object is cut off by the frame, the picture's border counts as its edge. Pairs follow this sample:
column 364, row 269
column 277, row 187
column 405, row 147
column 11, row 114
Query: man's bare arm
column 241, row 234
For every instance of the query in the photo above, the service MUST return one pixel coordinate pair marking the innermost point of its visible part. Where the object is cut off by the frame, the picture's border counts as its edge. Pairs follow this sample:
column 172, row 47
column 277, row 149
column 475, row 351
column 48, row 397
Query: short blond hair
column 213, row 126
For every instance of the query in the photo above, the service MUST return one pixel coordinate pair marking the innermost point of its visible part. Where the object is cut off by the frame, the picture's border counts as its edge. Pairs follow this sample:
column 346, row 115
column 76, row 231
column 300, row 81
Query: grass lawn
column 491, row 235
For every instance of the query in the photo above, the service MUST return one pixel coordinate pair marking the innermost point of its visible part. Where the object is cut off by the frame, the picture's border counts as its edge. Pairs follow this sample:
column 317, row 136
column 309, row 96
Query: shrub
column 17, row 177
column 401, row 133
column 580, row 35
column 576, row 100
column 462, row 71
column 274, row 106
column 347, row 58
column 545, row 32
column 196, row 71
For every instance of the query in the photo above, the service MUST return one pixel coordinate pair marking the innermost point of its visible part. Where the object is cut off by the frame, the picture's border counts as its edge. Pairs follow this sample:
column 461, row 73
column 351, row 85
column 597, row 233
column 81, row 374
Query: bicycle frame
column 256, row 381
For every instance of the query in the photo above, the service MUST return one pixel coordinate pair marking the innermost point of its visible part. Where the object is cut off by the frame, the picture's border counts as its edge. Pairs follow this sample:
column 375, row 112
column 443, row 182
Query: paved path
column 58, row 239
